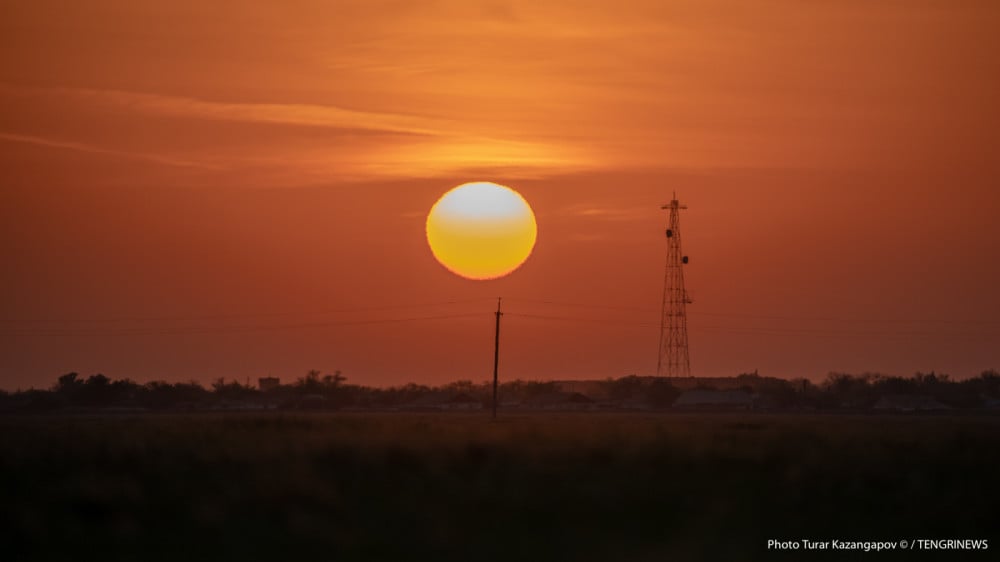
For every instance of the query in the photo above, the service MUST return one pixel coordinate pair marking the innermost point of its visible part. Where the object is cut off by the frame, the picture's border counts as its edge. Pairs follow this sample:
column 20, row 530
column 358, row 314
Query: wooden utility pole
column 496, row 358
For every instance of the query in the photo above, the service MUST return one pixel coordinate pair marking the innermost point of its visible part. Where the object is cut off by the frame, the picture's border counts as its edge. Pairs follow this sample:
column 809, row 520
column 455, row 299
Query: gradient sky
column 200, row 189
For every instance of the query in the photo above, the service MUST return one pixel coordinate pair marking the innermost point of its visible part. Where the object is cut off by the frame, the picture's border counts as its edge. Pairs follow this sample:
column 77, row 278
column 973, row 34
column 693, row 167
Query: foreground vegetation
column 460, row 487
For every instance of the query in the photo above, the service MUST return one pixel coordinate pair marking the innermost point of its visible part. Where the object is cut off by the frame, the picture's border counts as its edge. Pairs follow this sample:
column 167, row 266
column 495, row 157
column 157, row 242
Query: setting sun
column 481, row 230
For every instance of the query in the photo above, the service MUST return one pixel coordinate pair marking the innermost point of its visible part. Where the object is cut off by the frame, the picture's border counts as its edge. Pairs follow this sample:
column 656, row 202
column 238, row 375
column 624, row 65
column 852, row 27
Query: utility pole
column 674, row 360
column 496, row 357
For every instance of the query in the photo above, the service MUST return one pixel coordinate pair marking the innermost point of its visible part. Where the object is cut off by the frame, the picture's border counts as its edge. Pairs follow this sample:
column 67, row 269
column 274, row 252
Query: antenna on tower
column 674, row 360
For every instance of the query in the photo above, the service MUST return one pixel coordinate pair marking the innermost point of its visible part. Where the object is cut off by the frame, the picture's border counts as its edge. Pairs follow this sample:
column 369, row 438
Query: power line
column 226, row 329
column 582, row 305
column 260, row 314
column 559, row 303
column 848, row 320
column 584, row 320
column 828, row 332
column 617, row 322
column 752, row 331
column 769, row 317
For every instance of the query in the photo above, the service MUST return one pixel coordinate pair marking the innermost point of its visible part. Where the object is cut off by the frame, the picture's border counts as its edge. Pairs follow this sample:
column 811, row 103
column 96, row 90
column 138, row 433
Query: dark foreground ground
column 459, row 487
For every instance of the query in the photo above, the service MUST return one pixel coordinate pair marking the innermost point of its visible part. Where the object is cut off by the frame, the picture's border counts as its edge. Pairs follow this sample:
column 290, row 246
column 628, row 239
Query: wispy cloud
column 606, row 213
column 312, row 115
column 409, row 145
column 83, row 147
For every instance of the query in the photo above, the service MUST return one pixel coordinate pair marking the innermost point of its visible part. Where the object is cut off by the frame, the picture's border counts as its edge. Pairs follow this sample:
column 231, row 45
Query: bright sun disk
column 481, row 230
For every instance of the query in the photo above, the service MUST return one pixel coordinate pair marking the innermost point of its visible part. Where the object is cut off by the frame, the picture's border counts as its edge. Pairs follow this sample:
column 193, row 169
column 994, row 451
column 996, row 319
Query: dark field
column 460, row 487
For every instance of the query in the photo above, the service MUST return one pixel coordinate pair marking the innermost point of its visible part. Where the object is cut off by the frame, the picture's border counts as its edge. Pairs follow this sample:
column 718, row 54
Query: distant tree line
column 318, row 391
column 847, row 390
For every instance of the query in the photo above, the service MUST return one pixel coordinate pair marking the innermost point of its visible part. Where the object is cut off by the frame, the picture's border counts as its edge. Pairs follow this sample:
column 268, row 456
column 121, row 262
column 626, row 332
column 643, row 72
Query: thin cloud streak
column 606, row 213
column 414, row 146
column 82, row 147
column 277, row 113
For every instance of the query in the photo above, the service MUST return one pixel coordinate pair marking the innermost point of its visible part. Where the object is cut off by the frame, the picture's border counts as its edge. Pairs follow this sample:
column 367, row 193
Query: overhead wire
column 758, row 330
column 320, row 312
column 618, row 322
column 228, row 329
column 845, row 320
column 579, row 305
column 827, row 332
column 586, row 320
column 764, row 317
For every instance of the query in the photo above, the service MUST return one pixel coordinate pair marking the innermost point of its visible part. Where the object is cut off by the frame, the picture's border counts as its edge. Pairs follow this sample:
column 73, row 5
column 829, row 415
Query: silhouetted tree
column 986, row 384
column 68, row 383
column 334, row 380
column 837, row 390
column 623, row 387
column 846, row 390
column 310, row 383
column 465, row 386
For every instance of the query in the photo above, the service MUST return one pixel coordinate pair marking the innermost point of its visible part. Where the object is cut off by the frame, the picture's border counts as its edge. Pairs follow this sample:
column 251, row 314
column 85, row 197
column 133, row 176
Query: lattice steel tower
column 674, row 359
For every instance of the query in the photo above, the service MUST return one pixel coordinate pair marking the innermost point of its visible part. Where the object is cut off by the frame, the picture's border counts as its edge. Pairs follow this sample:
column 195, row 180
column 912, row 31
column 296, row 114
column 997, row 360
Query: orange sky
column 195, row 191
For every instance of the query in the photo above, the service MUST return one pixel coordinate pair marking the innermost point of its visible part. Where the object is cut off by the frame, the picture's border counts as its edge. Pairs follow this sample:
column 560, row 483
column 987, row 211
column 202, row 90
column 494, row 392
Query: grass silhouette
column 456, row 486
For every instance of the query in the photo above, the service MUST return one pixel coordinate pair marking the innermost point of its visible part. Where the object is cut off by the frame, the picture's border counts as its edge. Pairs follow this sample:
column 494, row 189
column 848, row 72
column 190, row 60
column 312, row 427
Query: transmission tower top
column 673, row 204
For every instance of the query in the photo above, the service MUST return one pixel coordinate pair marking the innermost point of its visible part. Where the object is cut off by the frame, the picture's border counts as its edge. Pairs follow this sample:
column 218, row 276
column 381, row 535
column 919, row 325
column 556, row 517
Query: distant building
column 702, row 399
column 590, row 388
column 634, row 402
column 430, row 400
column 463, row 401
column 560, row 401
column 311, row 402
column 441, row 400
column 909, row 403
column 268, row 383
